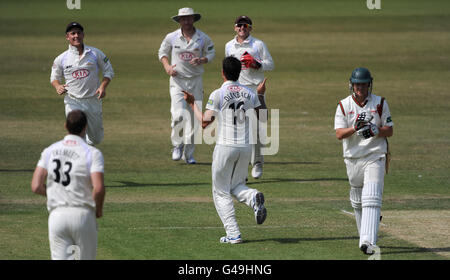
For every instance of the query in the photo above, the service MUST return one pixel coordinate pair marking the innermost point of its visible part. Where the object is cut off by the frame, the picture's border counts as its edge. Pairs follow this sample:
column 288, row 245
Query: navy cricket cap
column 243, row 19
column 72, row 25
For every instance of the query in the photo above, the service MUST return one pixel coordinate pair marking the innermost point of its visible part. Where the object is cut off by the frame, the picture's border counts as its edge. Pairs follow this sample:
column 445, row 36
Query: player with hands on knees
column 363, row 122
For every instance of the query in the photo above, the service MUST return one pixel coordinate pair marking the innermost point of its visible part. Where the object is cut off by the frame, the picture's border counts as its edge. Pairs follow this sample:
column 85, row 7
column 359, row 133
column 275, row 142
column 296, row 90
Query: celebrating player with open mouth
column 256, row 59
column 79, row 66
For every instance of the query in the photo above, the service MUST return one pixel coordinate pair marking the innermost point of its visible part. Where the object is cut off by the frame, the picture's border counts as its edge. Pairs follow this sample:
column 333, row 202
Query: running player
column 256, row 59
column 188, row 48
column 234, row 107
column 79, row 66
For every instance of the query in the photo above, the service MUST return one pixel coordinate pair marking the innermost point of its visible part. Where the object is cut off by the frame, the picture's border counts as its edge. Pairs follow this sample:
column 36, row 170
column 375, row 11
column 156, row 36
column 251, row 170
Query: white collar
column 74, row 137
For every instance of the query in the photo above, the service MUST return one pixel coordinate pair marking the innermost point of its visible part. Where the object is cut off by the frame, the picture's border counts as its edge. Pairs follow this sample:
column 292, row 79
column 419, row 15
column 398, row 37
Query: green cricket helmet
column 360, row 75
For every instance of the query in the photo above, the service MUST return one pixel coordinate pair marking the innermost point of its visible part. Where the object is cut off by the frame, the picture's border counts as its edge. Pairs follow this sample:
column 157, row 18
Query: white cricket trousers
column 182, row 115
column 72, row 233
column 229, row 171
column 92, row 107
column 366, row 178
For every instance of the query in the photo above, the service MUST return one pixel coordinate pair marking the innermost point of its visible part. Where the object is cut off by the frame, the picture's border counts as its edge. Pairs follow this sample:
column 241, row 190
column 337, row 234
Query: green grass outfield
column 159, row 209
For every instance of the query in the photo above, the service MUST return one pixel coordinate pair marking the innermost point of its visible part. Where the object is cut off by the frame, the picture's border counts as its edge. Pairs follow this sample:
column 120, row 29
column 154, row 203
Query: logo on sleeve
column 210, row 102
column 389, row 119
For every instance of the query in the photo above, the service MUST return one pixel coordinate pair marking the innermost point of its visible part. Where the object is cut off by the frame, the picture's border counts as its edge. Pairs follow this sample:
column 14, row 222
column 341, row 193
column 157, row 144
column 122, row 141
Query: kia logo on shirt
column 80, row 74
column 186, row 56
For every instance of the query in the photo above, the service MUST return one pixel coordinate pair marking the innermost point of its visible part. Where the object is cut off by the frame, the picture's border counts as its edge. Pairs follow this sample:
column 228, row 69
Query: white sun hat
column 186, row 12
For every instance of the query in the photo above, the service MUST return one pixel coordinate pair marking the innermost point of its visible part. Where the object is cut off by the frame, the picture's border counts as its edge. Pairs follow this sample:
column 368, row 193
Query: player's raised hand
column 261, row 89
column 188, row 97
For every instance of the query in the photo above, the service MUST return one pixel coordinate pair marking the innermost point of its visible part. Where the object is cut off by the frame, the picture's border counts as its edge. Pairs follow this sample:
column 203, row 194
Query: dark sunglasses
column 246, row 25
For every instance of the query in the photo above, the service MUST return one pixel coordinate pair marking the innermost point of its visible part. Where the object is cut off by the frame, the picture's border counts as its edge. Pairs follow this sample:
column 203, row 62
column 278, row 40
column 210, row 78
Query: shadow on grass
column 405, row 250
column 273, row 162
column 127, row 184
column 306, row 239
column 293, row 180
column 16, row 170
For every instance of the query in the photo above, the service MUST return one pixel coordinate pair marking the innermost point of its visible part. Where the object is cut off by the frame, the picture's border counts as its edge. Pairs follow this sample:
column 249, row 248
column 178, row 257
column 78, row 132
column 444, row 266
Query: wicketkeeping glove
column 368, row 131
column 249, row 61
column 362, row 119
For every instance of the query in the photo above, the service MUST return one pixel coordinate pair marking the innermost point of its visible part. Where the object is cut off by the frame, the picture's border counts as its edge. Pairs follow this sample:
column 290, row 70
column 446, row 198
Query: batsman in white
column 188, row 48
column 256, row 59
column 70, row 174
column 363, row 122
column 79, row 66
column 236, row 107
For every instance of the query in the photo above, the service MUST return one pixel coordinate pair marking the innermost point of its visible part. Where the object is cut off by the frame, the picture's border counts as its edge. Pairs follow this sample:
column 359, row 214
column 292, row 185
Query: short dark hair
column 231, row 67
column 76, row 121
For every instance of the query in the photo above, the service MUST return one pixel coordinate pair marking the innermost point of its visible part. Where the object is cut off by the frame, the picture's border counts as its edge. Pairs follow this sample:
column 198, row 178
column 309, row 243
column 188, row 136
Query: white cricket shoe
column 257, row 170
column 177, row 152
column 259, row 208
column 367, row 248
column 231, row 240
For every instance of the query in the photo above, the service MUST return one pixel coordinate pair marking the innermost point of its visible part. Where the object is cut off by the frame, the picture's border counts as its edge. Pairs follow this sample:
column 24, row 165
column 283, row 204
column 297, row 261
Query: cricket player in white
column 79, row 66
column 234, row 106
column 363, row 122
column 256, row 59
column 70, row 174
column 188, row 48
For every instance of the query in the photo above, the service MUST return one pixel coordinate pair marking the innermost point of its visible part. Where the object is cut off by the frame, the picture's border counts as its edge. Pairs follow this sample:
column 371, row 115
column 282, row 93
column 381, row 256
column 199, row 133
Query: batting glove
column 362, row 120
column 368, row 131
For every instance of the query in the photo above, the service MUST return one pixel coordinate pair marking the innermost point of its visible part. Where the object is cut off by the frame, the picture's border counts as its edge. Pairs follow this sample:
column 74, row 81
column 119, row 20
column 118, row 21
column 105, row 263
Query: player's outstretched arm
column 206, row 118
column 38, row 182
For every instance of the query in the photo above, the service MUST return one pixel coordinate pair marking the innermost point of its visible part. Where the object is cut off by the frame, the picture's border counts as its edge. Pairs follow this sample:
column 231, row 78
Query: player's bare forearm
column 38, row 181
column 101, row 91
column 386, row 131
column 105, row 82
column 206, row 118
column 170, row 69
column 342, row 133
column 60, row 89
column 98, row 192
